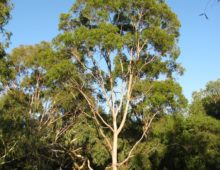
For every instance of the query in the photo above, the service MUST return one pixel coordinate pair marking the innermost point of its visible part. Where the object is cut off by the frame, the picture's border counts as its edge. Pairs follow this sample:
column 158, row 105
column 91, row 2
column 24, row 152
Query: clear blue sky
column 37, row 20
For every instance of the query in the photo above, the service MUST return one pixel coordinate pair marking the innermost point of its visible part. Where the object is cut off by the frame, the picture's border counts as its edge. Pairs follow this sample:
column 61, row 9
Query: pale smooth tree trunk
column 115, row 151
column 115, row 142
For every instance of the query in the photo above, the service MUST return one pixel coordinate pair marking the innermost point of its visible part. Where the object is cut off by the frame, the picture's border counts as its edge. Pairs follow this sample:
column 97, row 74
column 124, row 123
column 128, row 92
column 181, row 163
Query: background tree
column 5, row 8
column 39, row 109
column 5, row 73
column 188, row 142
column 207, row 101
column 128, row 50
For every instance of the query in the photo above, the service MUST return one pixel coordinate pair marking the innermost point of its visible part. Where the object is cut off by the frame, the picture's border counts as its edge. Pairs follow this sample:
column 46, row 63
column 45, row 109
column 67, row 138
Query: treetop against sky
column 199, row 39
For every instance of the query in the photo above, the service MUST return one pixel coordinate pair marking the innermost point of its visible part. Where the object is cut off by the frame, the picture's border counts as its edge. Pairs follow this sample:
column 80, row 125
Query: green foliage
column 5, row 8
column 163, row 95
column 207, row 101
column 36, row 109
column 178, row 142
column 5, row 72
column 109, row 42
column 194, row 144
column 48, row 123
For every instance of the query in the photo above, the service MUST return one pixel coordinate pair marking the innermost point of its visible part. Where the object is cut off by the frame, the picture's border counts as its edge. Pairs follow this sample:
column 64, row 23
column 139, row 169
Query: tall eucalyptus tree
column 127, row 51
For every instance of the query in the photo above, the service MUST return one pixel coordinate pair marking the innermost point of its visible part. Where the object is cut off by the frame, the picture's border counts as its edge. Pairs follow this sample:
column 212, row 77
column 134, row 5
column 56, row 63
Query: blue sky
column 199, row 42
column 37, row 20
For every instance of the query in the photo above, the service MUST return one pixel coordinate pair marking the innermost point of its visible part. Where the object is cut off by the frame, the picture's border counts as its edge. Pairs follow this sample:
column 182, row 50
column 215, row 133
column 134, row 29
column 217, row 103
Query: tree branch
column 146, row 128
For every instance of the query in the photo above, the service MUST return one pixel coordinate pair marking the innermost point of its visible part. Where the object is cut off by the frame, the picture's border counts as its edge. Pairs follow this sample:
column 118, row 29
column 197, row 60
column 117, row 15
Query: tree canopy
column 125, row 47
column 103, row 94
